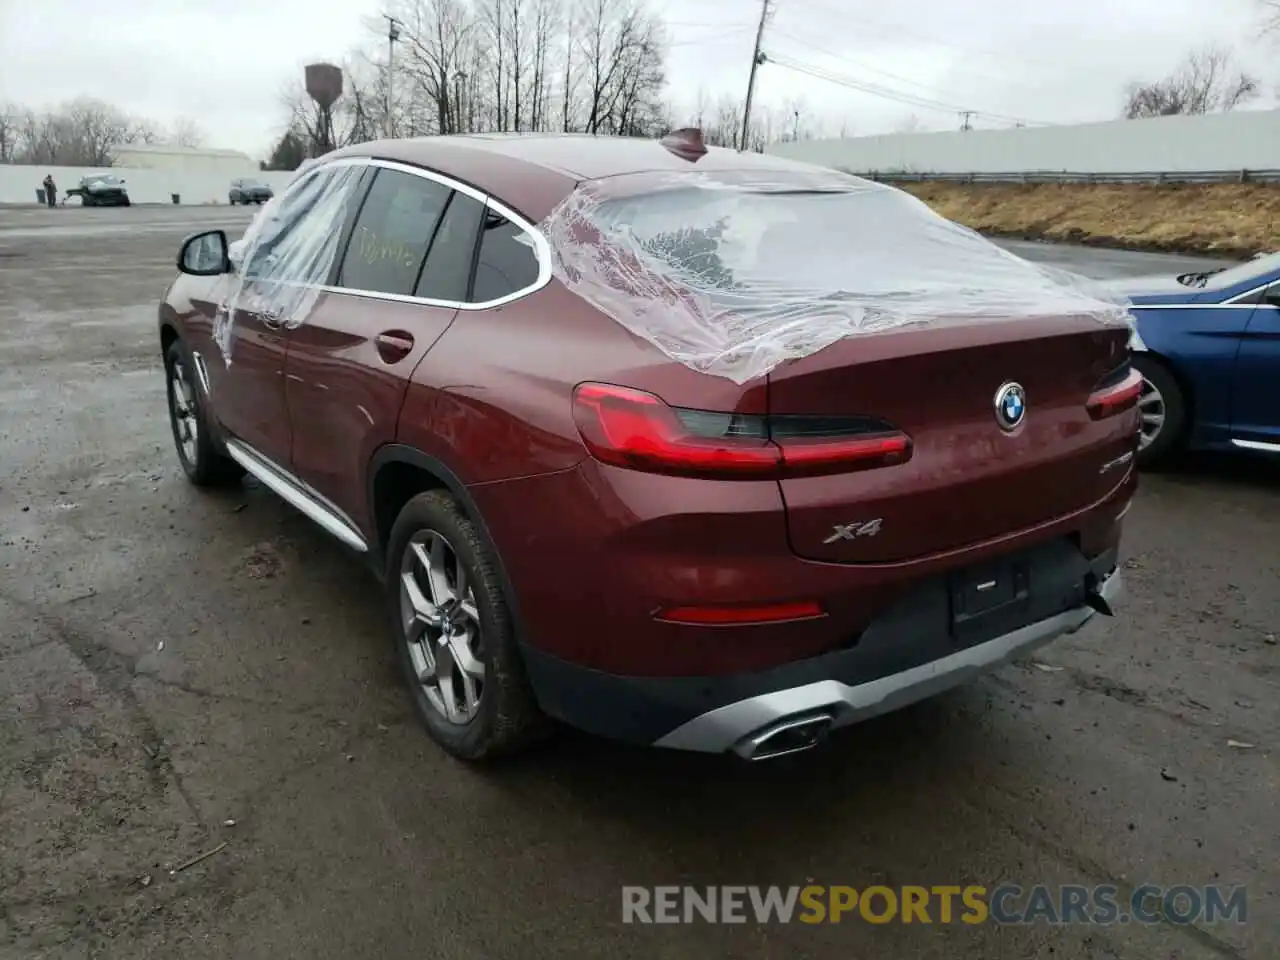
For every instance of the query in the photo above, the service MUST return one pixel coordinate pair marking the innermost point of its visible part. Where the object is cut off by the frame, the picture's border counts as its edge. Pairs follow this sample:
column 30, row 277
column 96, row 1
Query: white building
column 182, row 160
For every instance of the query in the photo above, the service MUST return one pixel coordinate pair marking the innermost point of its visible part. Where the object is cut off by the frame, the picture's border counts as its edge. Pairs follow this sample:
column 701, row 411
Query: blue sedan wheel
column 1162, row 409
column 1151, row 406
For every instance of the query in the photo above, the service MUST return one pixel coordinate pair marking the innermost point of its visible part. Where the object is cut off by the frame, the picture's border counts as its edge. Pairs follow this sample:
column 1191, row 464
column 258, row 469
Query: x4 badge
column 851, row 531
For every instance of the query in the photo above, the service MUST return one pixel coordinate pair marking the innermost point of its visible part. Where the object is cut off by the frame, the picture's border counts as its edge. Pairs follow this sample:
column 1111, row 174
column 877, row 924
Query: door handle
column 393, row 345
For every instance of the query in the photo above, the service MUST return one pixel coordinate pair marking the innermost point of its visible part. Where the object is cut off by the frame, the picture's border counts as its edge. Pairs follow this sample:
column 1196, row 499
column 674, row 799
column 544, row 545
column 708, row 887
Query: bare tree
column 496, row 33
column 100, row 128
column 1207, row 81
column 545, row 21
column 529, row 65
column 623, row 51
column 568, row 92
column 435, row 40
column 37, row 138
column 186, row 133
column 1270, row 15
column 721, row 129
column 144, row 131
column 516, row 46
column 10, row 121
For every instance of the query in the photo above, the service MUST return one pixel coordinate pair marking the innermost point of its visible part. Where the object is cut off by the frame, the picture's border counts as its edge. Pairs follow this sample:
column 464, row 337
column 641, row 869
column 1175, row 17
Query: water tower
column 324, row 86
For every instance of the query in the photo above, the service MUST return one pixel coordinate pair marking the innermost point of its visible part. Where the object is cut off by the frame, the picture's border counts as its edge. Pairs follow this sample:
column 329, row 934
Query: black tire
column 203, row 463
column 507, row 715
column 231, row 201
column 1169, row 439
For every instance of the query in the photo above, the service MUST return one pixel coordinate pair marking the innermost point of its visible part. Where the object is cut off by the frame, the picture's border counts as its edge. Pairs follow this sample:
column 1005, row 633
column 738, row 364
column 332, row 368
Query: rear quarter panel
column 493, row 399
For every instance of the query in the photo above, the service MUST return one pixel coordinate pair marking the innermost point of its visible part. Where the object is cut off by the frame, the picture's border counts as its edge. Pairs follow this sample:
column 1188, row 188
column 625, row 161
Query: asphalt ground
column 183, row 672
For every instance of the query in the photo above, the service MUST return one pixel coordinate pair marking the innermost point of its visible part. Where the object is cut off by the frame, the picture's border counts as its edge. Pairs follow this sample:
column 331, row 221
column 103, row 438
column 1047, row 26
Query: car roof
column 532, row 172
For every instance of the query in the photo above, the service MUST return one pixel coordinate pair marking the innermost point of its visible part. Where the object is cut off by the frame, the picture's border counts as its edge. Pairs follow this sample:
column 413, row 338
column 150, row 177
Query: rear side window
column 507, row 261
column 448, row 266
column 393, row 233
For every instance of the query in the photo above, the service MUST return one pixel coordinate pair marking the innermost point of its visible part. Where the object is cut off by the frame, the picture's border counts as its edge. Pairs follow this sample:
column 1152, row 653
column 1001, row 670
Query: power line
column 861, row 65
column 731, row 33
column 897, row 31
column 717, row 26
column 889, row 93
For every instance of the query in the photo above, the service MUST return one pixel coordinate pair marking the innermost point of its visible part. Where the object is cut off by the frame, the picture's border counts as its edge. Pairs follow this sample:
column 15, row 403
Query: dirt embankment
column 1226, row 219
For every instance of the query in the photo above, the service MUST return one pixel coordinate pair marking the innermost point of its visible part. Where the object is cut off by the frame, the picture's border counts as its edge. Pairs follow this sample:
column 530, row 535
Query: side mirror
column 205, row 254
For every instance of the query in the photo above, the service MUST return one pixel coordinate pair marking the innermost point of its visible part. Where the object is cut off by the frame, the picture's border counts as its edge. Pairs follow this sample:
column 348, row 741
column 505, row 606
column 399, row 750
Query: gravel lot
column 173, row 661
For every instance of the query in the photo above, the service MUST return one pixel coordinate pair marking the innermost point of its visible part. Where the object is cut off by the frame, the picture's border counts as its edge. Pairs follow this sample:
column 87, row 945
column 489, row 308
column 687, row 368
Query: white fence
column 19, row 184
column 1245, row 140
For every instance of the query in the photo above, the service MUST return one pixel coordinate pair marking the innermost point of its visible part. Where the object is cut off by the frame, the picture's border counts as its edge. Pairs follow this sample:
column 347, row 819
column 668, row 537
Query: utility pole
column 393, row 34
column 757, row 58
column 965, row 117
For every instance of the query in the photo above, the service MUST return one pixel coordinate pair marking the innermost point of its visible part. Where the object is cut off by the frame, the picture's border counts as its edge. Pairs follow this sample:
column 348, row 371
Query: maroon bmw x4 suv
column 684, row 447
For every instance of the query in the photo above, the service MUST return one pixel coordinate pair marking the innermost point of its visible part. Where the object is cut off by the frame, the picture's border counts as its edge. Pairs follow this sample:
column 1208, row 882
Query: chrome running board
column 298, row 495
column 1256, row 445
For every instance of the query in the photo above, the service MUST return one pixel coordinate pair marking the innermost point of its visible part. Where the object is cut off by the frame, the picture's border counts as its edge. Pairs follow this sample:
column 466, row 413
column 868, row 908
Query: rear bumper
column 749, row 726
column 912, row 651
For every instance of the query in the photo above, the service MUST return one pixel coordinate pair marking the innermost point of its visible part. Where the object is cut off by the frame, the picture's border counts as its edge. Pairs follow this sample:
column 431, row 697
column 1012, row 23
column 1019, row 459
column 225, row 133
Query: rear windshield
column 733, row 276
column 748, row 247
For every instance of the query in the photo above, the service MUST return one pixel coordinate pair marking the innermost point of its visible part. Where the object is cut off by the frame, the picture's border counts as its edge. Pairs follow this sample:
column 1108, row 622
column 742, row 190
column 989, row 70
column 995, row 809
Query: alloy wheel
column 1152, row 408
column 182, row 406
column 441, row 626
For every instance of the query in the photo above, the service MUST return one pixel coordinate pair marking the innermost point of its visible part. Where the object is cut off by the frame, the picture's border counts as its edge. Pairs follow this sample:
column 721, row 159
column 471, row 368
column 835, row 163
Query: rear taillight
column 1117, row 393
column 634, row 429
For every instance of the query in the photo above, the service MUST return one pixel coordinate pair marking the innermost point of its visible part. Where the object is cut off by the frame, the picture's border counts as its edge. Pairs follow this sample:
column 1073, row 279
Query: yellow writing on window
column 373, row 250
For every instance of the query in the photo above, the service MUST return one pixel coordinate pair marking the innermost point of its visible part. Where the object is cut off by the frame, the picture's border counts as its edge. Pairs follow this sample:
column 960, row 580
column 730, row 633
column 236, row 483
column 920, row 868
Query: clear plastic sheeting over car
column 732, row 275
column 286, row 254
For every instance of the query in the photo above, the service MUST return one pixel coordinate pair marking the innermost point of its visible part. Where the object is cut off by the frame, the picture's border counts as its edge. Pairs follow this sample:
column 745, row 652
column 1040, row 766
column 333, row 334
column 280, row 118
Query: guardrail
column 1055, row 176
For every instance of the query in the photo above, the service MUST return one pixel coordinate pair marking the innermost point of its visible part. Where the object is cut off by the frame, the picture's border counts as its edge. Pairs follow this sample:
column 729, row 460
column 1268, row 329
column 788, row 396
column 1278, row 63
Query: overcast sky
column 225, row 63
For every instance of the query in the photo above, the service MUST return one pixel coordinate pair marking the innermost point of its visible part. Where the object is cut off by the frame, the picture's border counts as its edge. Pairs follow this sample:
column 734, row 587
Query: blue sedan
column 1208, row 347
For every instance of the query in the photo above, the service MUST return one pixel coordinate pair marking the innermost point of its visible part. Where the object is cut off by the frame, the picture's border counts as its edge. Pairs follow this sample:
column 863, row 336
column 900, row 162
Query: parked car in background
column 1208, row 346
column 101, row 190
column 727, row 524
column 249, row 191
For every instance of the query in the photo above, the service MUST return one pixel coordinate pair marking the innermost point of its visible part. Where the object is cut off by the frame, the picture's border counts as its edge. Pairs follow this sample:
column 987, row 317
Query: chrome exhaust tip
column 786, row 736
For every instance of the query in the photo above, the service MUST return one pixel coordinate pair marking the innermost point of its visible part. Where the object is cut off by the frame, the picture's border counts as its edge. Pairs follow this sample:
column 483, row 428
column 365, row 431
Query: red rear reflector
column 1117, row 398
column 634, row 429
column 737, row 616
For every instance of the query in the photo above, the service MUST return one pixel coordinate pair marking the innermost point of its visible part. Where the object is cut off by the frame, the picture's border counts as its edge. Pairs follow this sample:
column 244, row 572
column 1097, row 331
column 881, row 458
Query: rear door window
column 393, row 232
column 447, row 271
column 507, row 261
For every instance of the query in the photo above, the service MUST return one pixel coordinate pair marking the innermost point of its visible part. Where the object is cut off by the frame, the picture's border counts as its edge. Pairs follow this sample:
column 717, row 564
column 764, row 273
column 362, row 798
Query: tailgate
column 969, row 479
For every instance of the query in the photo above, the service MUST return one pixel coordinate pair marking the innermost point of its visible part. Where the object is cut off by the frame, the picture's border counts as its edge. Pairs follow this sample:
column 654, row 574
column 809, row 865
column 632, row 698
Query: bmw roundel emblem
column 1011, row 405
